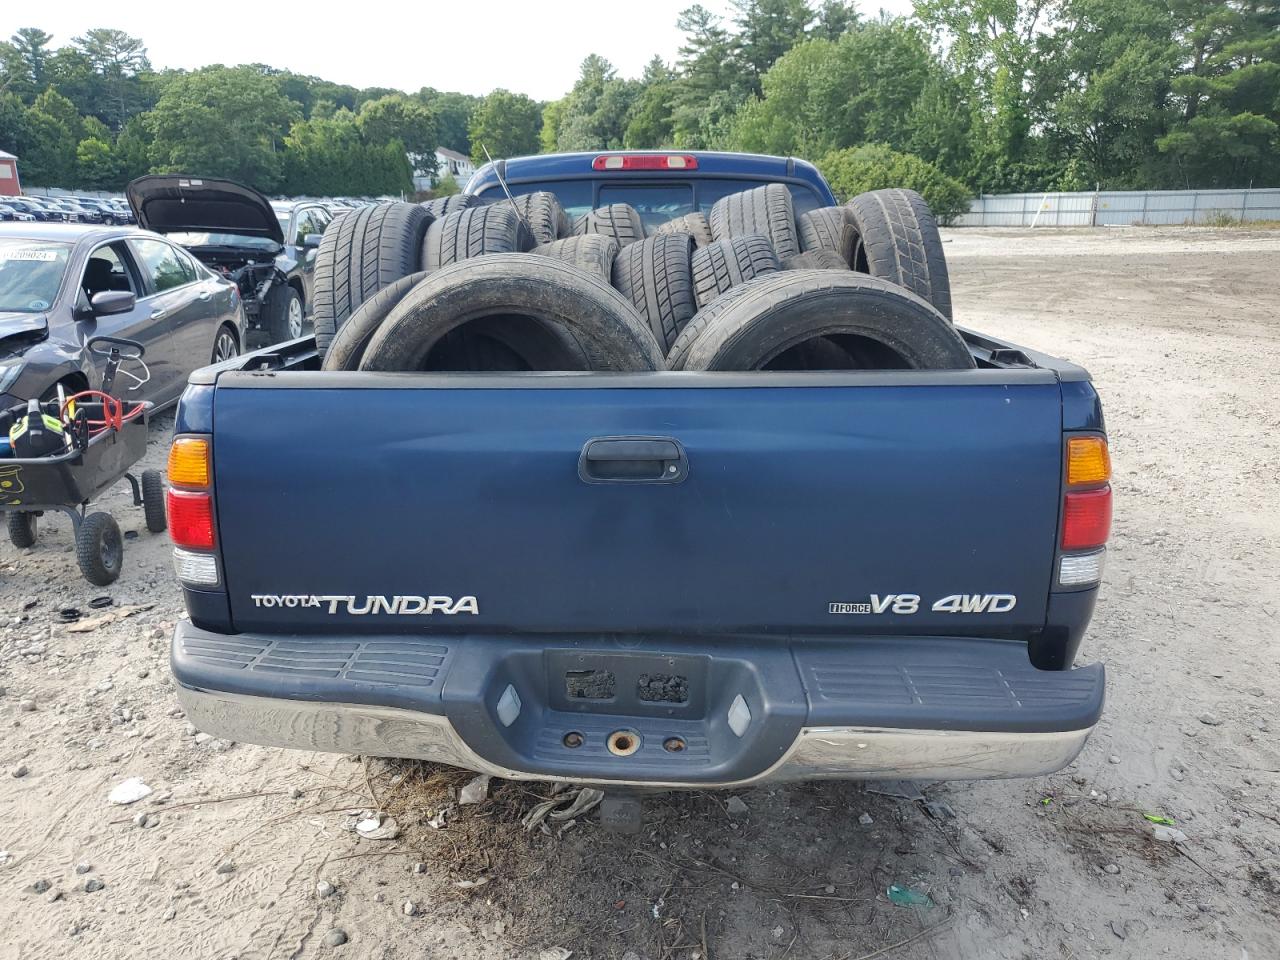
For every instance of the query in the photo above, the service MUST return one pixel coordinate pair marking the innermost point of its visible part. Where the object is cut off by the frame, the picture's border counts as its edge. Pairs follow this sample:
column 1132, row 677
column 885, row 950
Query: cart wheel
column 22, row 529
column 100, row 549
column 153, row 500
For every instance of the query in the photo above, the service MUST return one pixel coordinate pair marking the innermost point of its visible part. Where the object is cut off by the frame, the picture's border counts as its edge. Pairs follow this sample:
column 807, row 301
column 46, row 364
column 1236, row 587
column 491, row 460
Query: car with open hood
column 61, row 284
column 234, row 231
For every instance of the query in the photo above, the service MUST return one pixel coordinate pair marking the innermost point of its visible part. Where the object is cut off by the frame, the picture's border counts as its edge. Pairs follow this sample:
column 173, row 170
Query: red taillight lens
column 191, row 519
column 1086, row 519
column 645, row 161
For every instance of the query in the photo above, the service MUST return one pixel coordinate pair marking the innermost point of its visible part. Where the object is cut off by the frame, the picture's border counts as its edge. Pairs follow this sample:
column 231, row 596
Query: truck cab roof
column 661, row 184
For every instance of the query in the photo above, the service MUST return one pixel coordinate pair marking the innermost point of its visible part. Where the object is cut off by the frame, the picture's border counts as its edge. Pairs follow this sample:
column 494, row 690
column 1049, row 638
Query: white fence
column 1121, row 208
column 59, row 192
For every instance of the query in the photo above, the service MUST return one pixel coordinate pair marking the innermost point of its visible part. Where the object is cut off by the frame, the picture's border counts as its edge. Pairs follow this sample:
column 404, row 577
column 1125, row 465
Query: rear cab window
column 656, row 202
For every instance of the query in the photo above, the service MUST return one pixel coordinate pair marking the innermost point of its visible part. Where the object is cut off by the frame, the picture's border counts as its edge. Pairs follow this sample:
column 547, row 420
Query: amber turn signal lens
column 189, row 462
column 1087, row 461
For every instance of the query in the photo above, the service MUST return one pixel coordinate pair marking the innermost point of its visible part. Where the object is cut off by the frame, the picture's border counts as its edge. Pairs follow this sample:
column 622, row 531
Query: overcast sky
column 530, row 46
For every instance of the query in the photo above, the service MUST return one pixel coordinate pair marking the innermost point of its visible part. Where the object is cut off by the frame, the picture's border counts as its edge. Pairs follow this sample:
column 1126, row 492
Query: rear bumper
column 915, row 708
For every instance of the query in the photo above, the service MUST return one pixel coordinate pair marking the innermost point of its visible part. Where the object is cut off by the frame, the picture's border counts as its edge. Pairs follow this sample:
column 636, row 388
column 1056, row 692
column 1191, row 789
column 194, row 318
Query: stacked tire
column 516, row 285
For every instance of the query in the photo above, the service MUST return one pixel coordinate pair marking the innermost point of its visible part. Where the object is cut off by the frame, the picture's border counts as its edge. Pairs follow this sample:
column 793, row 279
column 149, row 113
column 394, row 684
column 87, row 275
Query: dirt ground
column 1180, row 329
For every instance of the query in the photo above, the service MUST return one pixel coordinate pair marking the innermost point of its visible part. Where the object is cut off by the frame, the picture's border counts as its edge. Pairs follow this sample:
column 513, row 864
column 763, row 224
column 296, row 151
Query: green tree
column 222, row 121
column 452, row 112
column 552, row 115
column 329, row 155
column 823, row 95
column 398, row 117
column 46, row 141
column 1226, row 93
column 767, row 30
column 117, row 59
column 446, row 186
column 650, row 123
column 24, row 62
column 993, row 45
column 594, row 115
column 507, row 124
column 834, row 18
column 132, row 149
column 875, row 167
column 96, row 164
column 712, row 80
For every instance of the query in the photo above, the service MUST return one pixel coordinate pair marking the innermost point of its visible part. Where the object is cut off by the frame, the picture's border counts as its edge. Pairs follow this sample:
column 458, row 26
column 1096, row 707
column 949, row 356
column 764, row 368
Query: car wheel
column 282, row 314
column 225, row 345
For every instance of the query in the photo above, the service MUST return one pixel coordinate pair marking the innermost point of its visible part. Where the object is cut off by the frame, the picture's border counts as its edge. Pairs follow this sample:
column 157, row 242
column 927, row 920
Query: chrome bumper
column 850, row 753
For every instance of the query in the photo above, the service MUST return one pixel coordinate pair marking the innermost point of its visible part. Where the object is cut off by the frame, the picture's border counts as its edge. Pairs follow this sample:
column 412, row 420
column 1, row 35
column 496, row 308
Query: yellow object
column 189, row 462
column 1087, row 461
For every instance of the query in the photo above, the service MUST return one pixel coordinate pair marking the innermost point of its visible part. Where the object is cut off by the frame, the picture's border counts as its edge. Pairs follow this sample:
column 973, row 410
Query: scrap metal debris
column 898, row 789
column 579, row 802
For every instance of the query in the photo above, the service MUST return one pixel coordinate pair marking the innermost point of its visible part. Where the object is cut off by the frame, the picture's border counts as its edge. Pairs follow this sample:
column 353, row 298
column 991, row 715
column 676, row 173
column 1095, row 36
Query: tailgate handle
column 633, row 460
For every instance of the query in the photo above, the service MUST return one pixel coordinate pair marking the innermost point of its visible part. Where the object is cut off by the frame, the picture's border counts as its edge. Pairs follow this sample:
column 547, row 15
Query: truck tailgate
column 709, row 503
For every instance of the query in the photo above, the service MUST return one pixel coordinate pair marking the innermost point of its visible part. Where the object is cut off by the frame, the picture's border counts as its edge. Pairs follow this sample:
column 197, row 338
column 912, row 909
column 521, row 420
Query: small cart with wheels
column 105, row 436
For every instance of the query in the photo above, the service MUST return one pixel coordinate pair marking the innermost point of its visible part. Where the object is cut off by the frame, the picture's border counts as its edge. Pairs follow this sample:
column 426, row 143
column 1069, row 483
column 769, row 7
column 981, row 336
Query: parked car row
column 112, row 212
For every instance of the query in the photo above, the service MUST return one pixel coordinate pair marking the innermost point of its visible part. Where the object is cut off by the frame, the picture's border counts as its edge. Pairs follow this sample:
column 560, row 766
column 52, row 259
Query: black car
column 61, row 284
column 26, row 205
column 235, row 232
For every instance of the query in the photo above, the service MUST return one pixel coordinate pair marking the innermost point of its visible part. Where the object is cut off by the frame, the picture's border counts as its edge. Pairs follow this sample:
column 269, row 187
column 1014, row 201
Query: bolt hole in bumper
column 741, row 711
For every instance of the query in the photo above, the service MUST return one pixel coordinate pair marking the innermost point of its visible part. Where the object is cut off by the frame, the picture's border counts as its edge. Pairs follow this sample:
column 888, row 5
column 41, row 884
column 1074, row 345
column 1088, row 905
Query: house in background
column 448, row 162
column 9, row 185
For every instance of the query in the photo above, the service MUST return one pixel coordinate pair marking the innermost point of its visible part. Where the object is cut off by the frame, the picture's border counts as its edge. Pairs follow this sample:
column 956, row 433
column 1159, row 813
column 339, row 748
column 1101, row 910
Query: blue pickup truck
column 862, row 574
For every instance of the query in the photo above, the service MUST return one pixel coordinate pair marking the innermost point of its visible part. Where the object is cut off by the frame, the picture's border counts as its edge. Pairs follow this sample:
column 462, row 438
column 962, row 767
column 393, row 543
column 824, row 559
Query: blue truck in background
column 860, row 574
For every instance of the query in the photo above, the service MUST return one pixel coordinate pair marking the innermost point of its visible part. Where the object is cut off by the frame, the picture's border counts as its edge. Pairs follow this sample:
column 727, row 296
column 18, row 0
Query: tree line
column 966, row 96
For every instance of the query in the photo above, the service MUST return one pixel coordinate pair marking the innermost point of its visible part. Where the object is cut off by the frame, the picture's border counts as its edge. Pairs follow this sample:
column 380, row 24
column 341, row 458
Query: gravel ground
column 247, row 852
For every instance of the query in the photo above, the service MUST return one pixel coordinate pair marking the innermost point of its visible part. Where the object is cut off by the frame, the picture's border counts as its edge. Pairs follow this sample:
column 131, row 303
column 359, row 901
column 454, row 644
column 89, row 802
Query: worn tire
column 276, row 314
column 754, row 325
column 153, row 501
column 656, row 276
column 827, row 228
column 593, row 254
column 100, row 549
column 621, row 221
column 348, row 346
column 555, row 316
column 820, row 259
column 441, row 207
column 764, row 211
column 361, row 252
column 474, row 232
column 22, row 528
column 897, row 240
column 542, row 214
column 695, row 224
column 724, row 264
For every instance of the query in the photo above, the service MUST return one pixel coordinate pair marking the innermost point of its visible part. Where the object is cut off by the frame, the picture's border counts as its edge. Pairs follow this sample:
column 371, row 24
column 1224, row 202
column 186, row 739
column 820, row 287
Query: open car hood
column 176, row 203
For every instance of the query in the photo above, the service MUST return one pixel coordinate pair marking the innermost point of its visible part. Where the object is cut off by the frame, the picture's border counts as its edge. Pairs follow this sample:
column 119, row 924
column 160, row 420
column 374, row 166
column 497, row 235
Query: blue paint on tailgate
column 796, row 497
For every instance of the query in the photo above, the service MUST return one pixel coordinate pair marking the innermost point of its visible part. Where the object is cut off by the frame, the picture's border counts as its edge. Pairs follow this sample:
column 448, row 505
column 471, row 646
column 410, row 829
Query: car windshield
column 30, row 273
column 223, row 240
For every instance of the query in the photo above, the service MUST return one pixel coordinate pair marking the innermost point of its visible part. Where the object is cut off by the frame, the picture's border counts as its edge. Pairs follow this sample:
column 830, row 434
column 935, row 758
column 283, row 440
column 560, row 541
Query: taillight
column 189, row 462
column 1086, row 511
column 645, row 161
column 191, row 519
column 1086, row 519
column 189, row 501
